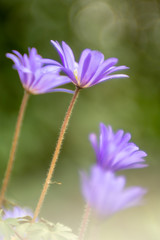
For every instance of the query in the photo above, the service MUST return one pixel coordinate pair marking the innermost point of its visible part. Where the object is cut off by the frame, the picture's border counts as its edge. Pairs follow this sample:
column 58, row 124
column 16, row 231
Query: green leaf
column 6, row 231
column 64, row 232
column 12, row 221
column 44, row 230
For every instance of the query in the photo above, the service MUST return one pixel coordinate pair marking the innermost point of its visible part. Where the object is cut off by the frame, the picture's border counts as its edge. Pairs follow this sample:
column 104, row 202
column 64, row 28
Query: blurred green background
column 126, row 29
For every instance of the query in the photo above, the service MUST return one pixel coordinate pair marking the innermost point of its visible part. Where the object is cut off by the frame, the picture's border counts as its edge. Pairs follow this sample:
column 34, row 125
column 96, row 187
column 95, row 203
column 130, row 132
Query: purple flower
column 106, row 193
column 91, row 69
column 17, row 212
column 35, row 75
column 114, row 151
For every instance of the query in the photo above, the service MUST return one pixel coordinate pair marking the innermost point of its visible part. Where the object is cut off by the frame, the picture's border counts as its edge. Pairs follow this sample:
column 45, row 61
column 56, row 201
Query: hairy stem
column 13, row 148
column 56, row 154
column 84, row 222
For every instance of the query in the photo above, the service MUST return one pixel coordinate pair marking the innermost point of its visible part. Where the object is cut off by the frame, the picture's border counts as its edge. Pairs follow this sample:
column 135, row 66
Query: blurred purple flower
column 114, row 151
column 17, row 212
column 106, row 193
column 35, row 75
column 91, row 69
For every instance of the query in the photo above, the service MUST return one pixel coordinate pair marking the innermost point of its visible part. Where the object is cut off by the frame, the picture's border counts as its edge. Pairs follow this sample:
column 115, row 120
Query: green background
column 128, row 30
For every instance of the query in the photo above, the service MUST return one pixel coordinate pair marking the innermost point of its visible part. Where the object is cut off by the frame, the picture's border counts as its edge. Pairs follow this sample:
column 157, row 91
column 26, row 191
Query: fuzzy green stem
column 84, row 222
column 56, row 154
column 14, row 147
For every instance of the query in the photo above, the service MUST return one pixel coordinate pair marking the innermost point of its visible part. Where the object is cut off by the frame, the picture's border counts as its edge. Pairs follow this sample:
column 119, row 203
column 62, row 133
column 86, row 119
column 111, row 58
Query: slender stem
column 14, row 146
column 84, row 222
column 18, row 235
column 56, row 154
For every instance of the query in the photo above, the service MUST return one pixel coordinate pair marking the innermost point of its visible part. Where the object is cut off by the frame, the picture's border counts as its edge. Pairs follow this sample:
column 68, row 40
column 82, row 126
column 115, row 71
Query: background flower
column 106, row 193
column 114, row 151
column 36, row 77
column 17, row 212
column 91, row 68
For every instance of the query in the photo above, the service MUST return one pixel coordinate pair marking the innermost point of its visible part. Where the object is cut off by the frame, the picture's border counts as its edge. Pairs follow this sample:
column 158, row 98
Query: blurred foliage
column 126, row 29
column 22, row 228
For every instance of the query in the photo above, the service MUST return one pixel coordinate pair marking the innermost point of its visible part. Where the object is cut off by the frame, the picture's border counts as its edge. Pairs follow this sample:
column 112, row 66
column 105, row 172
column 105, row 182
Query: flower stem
column 18, row 235
column 56, row 154
column 14, row 146
column 84, row 222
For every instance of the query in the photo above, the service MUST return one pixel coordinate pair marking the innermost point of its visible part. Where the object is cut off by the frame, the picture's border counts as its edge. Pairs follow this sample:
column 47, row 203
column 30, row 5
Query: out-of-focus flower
column 114, row 151
column 16, row 212
column 91, row 69
column 106, row 193
column 38, row 75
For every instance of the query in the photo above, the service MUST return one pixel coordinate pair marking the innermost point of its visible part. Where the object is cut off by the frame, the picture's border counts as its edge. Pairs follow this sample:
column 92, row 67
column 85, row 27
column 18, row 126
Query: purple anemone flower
column 114, row 151
column 91, row 69
column 17, row 212
column 106, row 193
column 37, row 74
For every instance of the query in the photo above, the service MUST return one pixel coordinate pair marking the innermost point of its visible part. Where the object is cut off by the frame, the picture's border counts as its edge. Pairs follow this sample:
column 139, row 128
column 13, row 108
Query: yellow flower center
column 76, row 76
column 76, row 73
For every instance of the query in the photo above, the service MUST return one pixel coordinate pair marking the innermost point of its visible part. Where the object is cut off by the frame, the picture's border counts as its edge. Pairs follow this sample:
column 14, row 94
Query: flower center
column 76, row 75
